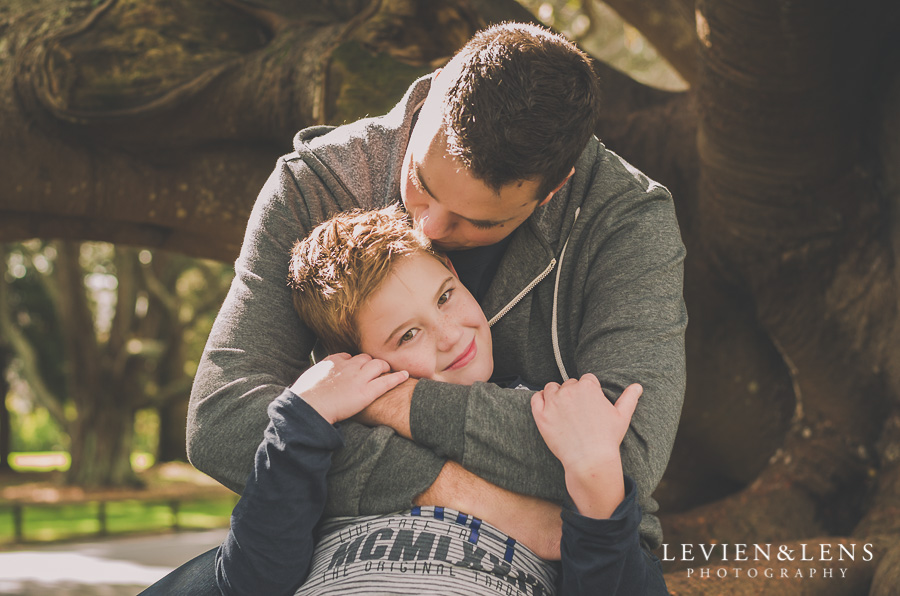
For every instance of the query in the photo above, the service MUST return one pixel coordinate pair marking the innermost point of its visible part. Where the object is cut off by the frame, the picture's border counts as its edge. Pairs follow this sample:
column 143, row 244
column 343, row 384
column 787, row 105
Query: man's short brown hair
column 335, row 269
column 522, row 106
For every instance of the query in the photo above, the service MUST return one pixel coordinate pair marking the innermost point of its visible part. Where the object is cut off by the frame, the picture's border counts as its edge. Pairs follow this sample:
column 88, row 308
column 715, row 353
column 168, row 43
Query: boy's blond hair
column 336, row 268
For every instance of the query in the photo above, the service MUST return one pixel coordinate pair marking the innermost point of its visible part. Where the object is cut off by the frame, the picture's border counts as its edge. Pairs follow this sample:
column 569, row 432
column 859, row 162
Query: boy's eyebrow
column 406, row 323
column 478, row 222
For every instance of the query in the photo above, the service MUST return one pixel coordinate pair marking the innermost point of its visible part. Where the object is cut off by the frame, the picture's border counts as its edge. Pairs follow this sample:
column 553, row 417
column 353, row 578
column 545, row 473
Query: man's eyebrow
column 477, row 222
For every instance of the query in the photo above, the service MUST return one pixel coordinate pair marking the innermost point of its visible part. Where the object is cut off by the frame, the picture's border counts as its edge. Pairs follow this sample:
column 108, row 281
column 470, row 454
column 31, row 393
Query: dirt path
column 115, row 567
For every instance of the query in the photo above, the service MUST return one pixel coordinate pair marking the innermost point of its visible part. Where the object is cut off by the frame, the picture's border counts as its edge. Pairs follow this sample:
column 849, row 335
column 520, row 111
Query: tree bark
column 101, row 444
column 97, row 380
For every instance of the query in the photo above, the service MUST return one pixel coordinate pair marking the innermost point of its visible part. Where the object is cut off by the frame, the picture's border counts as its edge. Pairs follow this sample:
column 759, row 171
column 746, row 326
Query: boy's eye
column 483, row 225
column 444, row 297
column 408, row 335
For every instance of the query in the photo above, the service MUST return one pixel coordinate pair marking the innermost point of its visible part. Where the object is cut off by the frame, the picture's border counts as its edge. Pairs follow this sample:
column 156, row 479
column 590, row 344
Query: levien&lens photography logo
column 766, row 561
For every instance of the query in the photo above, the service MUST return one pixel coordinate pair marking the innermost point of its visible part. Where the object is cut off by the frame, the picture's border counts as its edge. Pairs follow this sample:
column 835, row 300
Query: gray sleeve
column 258, row 347
column 634, row 331
column 490, row 431
column 378, row 472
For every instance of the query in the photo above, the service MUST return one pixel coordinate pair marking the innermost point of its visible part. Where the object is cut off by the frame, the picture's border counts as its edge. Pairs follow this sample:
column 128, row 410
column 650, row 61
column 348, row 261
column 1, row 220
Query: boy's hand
column 583, row 430
column 578, row 422
column 341, row 385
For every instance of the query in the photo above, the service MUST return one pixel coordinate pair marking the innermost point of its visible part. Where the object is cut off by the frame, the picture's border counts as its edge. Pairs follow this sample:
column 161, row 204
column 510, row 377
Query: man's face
column 421, row 319
column 457, row 210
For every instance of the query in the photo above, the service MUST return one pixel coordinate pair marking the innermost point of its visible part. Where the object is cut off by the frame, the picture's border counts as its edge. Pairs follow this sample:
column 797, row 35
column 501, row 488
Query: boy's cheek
column 417, row 369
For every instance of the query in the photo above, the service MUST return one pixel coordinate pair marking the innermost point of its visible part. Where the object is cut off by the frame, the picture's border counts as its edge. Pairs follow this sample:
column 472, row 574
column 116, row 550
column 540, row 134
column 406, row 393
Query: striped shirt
column 426, row 550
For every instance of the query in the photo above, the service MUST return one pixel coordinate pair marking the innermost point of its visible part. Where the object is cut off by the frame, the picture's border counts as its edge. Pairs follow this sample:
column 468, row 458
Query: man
column 574, row 256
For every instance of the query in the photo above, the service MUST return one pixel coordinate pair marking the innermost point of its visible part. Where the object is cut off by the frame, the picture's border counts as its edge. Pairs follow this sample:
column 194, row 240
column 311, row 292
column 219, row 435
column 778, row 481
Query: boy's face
column 424, row 321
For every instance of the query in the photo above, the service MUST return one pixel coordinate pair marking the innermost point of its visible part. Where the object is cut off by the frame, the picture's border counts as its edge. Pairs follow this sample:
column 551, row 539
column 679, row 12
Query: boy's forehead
column 417, row 272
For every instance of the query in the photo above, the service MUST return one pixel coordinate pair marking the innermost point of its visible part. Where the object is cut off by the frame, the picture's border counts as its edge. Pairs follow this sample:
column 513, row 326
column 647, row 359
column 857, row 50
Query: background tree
column 98, row 334
column 156, row 123
column 5, row 418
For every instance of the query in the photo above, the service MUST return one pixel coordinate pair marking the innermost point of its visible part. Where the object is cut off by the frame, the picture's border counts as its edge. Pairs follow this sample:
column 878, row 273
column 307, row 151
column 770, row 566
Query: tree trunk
column 223, row 86
column 172, row 431
column 101, row 445
column 98, row 381
column 5, row 417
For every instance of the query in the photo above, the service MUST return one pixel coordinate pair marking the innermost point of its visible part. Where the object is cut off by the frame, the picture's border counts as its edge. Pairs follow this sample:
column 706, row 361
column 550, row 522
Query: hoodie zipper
column 554, row 337
column 522, row 294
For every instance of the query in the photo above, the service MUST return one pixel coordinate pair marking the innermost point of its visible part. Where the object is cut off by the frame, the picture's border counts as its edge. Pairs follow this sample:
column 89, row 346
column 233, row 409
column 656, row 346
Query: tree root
column 814, row 486
column 778, row 514
column 887, row 576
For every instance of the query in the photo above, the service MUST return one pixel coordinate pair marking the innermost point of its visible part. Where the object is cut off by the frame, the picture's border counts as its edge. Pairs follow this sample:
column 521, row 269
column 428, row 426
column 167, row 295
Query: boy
column 370, row 285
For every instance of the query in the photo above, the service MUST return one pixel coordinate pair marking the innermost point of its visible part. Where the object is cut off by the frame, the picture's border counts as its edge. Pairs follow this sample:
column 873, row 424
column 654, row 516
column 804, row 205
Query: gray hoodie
column 591, row 282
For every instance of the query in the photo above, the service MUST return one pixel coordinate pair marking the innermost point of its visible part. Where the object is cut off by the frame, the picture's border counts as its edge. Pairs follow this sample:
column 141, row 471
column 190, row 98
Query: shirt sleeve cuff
column 624, row 520
column 298, row 422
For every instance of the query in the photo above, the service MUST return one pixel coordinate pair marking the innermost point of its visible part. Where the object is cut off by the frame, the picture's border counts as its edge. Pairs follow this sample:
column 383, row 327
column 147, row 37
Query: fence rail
column 17, row 499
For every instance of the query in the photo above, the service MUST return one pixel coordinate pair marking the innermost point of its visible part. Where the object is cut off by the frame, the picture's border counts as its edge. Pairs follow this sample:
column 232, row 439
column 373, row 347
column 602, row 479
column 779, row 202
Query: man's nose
column 435, row 223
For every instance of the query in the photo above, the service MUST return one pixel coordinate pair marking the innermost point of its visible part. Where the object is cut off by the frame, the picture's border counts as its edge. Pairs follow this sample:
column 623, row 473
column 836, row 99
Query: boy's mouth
column 466, row 357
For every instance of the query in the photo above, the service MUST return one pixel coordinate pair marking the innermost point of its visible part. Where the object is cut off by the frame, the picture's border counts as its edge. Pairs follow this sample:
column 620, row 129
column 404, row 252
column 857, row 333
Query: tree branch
column 669, row 25
column 26, row 354
column 126, row 293
column 83, row 355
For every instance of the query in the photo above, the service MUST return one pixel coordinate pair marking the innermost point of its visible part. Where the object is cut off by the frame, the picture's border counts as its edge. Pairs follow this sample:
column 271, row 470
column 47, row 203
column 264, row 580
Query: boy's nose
column 448, row 336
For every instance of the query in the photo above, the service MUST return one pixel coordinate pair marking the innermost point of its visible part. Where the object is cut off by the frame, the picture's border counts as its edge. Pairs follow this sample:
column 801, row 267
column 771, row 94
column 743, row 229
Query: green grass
column 45, row 523
column 45, row 461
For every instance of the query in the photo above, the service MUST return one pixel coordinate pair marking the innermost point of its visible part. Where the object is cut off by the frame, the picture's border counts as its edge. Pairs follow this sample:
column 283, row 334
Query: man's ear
column 432, row 89
column 449, row 265
column 558, row 186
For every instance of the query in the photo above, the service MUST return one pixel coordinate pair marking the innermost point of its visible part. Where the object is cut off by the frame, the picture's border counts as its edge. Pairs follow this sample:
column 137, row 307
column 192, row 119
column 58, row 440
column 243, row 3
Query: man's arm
column 627, row 285
column 520, row 460
column 533, row 522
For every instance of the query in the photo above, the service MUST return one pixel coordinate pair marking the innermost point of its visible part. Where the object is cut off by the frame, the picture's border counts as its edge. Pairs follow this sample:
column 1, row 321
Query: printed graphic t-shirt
column 426, row 550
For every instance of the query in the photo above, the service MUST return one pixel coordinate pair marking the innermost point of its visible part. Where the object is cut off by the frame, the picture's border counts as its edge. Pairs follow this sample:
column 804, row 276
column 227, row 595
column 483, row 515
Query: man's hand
column 341, row 385
column 391, row 409
column 584, row 429
column 531, row 521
